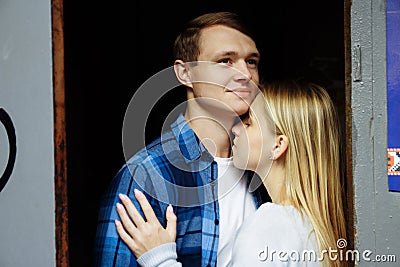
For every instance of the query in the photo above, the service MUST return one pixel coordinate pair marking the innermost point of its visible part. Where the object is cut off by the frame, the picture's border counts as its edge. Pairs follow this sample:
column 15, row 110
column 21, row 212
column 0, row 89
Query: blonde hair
column 305, row 113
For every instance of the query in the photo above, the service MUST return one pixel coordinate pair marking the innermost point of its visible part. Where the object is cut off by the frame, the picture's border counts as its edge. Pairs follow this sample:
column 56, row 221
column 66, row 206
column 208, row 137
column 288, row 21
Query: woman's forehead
column 257, row 107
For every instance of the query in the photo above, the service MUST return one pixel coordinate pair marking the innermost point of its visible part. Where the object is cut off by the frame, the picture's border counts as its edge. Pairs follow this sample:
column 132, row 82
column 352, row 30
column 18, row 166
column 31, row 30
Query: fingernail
column 117, row 223
column 170, row 209
column 119, row 206
column 122, row 197
column 137, row 192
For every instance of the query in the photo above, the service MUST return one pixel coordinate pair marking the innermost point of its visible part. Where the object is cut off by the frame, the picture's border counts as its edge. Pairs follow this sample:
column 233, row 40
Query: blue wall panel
column 393, row 91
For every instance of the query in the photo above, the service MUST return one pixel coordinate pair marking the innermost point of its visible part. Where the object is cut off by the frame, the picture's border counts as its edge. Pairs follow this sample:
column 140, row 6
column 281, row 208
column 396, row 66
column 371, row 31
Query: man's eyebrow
column 226, row 53
column 233, row 53
column 255, row 54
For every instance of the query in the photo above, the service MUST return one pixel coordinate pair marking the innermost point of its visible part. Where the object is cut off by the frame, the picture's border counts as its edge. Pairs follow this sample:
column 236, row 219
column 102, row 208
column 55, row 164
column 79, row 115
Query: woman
column 295, row 126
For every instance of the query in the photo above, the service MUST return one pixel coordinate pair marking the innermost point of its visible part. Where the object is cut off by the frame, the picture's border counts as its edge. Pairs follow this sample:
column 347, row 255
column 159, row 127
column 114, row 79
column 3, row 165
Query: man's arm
column 109, row 249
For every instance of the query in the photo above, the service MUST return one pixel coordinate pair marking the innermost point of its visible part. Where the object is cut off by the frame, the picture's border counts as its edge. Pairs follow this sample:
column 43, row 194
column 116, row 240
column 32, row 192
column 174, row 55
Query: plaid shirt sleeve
column 109, row 249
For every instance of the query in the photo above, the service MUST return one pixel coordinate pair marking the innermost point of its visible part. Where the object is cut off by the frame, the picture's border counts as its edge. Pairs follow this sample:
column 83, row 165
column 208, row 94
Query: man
column 189, row 166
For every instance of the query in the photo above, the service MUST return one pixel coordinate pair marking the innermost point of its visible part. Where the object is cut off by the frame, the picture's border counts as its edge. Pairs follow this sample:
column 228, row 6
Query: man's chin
column 241, row 110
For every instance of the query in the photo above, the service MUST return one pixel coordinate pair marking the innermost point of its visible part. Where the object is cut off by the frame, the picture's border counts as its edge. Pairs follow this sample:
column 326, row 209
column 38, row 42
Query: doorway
column 111, row 49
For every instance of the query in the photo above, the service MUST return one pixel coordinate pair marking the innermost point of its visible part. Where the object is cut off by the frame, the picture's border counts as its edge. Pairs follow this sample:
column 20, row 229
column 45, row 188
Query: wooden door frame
column 60, row 153
column 348, row 178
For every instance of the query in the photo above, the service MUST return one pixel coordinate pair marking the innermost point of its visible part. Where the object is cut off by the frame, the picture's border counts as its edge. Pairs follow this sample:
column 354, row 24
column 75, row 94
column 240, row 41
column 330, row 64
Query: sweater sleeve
column 161, row 256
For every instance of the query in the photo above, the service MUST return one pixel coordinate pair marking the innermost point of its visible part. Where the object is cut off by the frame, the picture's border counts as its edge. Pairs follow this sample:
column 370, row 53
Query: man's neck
column 213, row 131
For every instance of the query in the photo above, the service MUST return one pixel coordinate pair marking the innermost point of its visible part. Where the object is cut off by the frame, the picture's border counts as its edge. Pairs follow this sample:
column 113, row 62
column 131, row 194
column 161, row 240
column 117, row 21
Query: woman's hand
column 140, row 235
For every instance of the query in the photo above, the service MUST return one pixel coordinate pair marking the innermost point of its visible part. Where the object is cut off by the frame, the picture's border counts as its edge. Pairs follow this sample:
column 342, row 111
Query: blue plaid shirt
column 174, row 169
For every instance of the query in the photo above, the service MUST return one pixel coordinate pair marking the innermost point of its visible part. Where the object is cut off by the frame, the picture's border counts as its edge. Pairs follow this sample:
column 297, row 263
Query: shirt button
column 216, row 221
column 212, row 183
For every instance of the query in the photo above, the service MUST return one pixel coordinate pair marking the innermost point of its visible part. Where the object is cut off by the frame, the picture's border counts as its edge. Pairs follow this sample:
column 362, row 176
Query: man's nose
column 243, row 70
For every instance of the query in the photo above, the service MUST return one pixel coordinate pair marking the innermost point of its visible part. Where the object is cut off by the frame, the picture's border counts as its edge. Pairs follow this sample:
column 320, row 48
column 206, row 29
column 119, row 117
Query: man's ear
column 281, row 146
column 182, row 73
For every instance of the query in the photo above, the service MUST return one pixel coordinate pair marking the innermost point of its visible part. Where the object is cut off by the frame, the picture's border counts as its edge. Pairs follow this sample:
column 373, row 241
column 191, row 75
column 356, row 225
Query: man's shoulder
column 155, row 150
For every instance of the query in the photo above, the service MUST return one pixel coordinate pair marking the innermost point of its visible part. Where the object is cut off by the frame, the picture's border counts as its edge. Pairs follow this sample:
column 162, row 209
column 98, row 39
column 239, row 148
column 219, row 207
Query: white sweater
column 275, row 235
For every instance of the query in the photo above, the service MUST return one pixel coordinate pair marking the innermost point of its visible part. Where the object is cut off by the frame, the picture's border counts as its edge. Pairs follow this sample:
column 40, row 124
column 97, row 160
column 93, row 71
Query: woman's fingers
column 141, row 236
column 125, row 236
column 126, row 221
column 132, row 211
column 171, row 222
column 146, row 207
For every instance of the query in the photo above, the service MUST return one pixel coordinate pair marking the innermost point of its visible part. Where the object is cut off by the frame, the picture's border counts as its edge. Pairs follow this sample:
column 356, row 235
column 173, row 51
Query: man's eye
column 224, row 61
column 246, row 124
column 252, row 62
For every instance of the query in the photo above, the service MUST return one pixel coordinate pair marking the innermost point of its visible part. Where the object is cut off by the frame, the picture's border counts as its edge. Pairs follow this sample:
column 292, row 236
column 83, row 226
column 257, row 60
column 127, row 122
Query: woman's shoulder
column 281, row 223
column 272, row 230
column 278, row 213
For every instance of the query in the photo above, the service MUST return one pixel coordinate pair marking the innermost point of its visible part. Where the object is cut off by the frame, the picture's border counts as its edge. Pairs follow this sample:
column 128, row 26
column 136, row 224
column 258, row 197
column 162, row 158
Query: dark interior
column 111, row 48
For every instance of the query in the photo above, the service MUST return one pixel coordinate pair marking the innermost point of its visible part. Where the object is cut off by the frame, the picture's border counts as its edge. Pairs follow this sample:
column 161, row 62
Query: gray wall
column 27, row 201
column 377, row 211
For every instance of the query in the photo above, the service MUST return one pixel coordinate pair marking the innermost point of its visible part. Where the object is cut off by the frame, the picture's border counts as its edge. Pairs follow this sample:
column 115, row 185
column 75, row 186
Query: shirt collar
column 189, row 144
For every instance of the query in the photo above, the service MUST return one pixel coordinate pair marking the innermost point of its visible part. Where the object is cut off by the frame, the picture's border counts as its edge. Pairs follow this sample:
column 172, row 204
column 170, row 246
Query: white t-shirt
column 275, row 235
column 235, row 204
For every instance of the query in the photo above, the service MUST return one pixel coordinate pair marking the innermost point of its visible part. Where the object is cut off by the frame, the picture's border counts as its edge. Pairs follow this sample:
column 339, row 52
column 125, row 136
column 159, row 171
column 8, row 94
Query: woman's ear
column 281, row 146
column 182, row 73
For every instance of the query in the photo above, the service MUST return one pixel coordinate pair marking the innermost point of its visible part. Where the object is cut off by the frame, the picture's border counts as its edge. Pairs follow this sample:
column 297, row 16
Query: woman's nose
column 235, row 129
